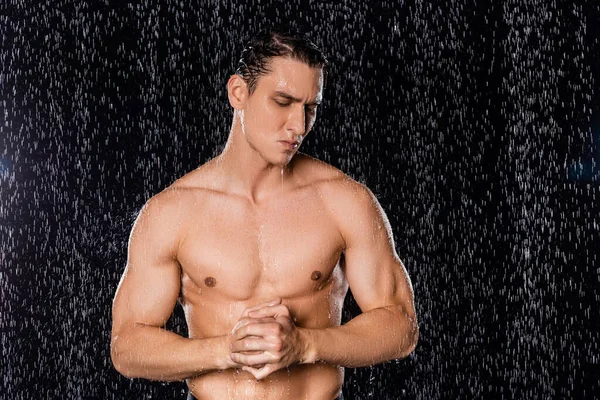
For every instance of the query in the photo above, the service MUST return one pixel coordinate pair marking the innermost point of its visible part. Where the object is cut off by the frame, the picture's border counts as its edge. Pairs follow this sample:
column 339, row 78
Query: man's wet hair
column 276, row 42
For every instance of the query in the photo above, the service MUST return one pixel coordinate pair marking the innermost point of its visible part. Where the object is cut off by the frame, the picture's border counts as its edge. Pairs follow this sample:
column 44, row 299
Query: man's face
column 282, row 109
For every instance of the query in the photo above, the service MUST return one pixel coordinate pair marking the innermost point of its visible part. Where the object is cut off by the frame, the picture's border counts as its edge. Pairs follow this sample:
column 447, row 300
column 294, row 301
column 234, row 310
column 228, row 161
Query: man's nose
column 296, row 123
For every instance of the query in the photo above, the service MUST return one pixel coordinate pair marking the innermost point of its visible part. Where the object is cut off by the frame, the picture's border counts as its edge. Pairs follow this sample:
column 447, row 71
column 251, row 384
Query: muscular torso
column 235, row 254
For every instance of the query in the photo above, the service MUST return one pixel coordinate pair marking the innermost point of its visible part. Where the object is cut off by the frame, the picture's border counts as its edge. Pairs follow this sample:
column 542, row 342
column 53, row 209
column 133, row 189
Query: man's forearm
column 150, row 352
column 373, row 337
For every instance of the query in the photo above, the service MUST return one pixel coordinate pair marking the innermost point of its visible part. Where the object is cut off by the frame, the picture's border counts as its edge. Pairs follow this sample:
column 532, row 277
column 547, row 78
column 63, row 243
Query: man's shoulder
column 332, row 183
column 188, row 187
column 316, row 172
column 161, row 208
column 185, row 192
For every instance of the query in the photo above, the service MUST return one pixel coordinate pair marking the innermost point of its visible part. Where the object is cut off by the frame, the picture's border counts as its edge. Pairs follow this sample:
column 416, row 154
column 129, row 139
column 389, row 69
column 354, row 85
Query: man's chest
column 289, row 248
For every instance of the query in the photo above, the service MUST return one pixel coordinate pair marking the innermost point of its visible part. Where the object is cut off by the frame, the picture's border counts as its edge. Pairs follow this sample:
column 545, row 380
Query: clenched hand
column 265, row 339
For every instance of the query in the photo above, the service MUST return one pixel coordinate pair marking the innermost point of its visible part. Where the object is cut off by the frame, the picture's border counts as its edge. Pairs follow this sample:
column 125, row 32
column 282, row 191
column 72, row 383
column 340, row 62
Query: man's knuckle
column 276, row 356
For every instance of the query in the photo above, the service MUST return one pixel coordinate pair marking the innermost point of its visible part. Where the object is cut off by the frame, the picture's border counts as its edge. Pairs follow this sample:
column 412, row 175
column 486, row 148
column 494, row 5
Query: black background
column 476, row 125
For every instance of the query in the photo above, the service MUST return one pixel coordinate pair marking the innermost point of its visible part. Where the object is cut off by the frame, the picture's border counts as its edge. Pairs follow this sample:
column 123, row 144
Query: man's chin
column 284, row 160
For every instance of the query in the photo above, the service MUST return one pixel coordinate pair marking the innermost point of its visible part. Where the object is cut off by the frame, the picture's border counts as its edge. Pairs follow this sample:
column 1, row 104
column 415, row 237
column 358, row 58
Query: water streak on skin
column 261, row 250
column 281, row 181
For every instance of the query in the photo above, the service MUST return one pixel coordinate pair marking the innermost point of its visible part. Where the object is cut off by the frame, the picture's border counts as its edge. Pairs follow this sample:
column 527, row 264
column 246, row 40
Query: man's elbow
column 119, row 359
column 411, row 339
column 414, row 339
column 120, row 365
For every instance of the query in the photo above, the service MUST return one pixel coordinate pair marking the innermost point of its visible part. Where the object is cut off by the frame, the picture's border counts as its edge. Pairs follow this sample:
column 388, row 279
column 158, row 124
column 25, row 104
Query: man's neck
column 248, row 174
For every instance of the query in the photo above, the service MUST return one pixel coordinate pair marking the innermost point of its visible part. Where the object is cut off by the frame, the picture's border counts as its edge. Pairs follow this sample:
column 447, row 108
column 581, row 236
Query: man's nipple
column 315, row 276
column 210, row 281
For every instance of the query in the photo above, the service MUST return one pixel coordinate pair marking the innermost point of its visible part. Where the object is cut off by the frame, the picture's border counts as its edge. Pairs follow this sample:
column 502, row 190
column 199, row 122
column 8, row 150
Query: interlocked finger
column 261, row 305
column 254, row 344
column 254, row 359
column 262, row 329
column 247, row 320
column 274, row 311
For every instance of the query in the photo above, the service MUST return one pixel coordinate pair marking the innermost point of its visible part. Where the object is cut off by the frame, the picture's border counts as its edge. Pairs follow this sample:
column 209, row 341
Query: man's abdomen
column 309, row 381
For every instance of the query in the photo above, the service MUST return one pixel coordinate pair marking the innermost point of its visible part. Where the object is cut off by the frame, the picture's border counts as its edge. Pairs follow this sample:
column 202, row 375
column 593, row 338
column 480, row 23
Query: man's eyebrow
column 289, row 97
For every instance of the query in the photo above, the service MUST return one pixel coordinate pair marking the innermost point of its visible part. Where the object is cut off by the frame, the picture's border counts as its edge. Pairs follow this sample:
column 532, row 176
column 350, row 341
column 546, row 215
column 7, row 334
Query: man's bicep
column 150, row 284
column 374, row 271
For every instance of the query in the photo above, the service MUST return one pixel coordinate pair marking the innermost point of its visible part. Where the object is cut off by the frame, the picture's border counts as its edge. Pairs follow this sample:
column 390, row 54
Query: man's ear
column 237, row 91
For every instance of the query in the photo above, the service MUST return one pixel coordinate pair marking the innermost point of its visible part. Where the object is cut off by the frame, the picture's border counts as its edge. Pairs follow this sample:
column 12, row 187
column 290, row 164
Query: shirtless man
column 260, row 245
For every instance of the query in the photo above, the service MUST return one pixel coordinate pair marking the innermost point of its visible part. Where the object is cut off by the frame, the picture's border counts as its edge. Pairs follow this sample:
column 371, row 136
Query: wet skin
column 258, row 224
column 261, row 252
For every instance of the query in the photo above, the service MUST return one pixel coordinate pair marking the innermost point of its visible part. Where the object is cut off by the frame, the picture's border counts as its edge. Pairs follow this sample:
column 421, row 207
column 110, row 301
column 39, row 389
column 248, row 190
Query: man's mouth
column 289, row 145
